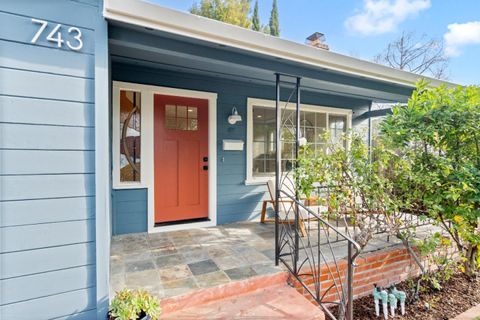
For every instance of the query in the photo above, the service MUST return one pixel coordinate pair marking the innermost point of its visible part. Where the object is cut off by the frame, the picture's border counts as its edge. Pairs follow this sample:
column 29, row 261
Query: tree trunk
column 470, row 262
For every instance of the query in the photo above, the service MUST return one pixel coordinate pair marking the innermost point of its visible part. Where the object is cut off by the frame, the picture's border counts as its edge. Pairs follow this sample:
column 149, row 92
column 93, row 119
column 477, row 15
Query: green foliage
column 256, row 25
column 131, row 305
column 274, row 23
column 235, row 12
column 438, row 130
column 367, row 190
column 437, row 250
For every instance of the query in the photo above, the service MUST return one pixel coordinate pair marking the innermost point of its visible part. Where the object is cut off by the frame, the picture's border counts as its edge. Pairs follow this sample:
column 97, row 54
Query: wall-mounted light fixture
column 234, row 117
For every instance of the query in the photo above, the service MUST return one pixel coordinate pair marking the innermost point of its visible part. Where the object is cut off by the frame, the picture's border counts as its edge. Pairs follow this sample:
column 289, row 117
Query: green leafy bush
column 437, row 250
column 134, row 304
column 367, row 191
column 439, row 132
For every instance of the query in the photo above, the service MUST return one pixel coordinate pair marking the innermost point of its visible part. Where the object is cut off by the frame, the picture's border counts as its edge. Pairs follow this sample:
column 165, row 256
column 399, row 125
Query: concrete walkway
column 471, row 314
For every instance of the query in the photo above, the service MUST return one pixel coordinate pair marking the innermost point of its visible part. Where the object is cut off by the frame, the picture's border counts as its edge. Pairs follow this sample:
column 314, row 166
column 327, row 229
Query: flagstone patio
column 175, row 263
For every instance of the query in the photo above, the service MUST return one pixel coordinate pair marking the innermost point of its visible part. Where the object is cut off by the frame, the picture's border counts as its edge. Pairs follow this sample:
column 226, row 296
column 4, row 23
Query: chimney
column 317, row 40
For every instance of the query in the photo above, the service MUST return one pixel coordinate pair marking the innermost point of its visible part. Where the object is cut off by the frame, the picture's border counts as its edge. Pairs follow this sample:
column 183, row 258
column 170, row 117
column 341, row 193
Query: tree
column 274, row 23
column 418, row 55
column 256, row 25
column 439, row 131
column 235, row 12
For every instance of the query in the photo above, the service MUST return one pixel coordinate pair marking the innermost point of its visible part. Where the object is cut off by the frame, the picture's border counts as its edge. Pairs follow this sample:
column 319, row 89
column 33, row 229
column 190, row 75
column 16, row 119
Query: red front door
column 181, row 158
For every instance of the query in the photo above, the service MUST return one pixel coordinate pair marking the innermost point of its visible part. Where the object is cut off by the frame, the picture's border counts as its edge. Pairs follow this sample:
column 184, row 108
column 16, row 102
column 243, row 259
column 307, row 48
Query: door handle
column 205, row 168
column 205, row 159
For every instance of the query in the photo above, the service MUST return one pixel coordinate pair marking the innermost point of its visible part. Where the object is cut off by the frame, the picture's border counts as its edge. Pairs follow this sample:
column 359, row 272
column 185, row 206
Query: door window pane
column 181, row 118
column 130, row 136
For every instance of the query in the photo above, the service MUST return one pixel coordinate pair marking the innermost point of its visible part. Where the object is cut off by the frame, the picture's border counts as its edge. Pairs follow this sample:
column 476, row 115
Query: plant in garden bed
column 366, row 189
column 438, row 254
column 439, row 131
column 134, row 304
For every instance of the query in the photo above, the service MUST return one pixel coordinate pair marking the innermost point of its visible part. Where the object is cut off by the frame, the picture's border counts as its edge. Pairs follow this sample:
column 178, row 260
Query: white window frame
column 251, row 102
column 147, row 145
column 144, row 100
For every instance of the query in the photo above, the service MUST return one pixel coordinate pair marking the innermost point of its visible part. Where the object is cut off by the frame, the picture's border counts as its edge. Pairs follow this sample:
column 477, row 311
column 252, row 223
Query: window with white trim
column 314, row 121
column 130, row 135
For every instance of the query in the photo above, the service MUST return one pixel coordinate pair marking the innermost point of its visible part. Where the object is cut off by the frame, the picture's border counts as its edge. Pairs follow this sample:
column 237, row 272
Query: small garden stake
column 392, row 300
column 384, row 297
column 376, row 299
column 401, row 296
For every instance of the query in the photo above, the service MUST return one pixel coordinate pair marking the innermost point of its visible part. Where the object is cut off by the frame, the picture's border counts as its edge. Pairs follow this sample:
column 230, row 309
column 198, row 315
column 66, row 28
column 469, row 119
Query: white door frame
column 147, row 149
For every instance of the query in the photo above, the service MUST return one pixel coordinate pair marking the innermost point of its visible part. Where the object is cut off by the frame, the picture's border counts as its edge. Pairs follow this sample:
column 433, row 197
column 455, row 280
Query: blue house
column 121, row 116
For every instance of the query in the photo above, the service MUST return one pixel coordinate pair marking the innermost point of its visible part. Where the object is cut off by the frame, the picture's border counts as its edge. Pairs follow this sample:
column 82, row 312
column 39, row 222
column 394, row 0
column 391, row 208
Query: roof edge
column 153, row 16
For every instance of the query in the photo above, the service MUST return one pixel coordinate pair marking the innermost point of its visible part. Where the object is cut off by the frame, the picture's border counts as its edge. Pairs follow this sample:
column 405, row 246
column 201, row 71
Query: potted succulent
column 134, row 305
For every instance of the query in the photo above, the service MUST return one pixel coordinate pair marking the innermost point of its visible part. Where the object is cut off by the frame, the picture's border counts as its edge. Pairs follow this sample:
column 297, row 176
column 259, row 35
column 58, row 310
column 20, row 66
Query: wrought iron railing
column 306, row 246
column 316, row 245
column 379, row 224
column 303, row 238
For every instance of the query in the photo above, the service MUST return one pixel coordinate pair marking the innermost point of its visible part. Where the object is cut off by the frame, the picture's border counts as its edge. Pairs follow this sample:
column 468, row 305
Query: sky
column 363, row 28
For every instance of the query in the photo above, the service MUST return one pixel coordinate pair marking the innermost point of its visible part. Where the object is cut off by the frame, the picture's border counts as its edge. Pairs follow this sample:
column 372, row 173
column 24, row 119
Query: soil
column 457, row 295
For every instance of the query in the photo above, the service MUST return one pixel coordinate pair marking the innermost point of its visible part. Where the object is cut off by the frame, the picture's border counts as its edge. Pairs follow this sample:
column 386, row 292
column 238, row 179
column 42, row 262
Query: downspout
column 370, row 131
column 278, row 116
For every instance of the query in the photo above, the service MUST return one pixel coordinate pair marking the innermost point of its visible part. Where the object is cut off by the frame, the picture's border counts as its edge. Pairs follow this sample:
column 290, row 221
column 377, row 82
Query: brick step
column 277, row 301
column 232, row 289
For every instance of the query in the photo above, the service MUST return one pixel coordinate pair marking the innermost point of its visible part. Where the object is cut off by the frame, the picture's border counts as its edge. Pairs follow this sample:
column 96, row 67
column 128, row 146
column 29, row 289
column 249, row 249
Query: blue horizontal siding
column 30, row 212
column 48, row 307
column 42, row 59
column 23, row 263
column 47, row 163
column 30, row 187
column 129, row 211
column 47, row 86
column 25, row 30
column 37, row 236
column 46, row 112
column 66, row 12
column 26, row 136
column 19, row 162
column 235, row 200
column 46, row 284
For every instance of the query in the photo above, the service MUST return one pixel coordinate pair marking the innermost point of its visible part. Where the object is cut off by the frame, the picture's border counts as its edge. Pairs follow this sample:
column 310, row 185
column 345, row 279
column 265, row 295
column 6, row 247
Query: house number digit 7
column 43, row 26
column 56, row 35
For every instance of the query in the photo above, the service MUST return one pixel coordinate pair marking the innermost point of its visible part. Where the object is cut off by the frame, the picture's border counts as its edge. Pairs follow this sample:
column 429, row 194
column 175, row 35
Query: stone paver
column 203, row 267
column 179, row 262
column 240, row 273
column 212, row 279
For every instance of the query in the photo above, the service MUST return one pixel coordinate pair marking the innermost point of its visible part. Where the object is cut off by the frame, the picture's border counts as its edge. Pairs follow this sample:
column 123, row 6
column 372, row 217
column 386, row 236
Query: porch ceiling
column 160, row 50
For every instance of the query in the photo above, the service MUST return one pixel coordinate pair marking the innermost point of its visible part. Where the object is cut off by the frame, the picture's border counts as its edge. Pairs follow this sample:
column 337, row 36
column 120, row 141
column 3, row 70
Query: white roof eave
column 153, row 16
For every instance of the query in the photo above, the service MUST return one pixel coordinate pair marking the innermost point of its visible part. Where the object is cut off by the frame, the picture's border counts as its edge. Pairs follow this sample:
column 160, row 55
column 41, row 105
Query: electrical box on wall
column 233, row 145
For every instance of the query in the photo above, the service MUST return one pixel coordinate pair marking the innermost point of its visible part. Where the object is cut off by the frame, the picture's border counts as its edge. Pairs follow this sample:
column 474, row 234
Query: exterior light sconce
column 234, row 117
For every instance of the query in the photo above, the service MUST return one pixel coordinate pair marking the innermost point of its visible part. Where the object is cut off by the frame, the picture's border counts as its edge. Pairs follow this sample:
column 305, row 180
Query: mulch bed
column 456, row 296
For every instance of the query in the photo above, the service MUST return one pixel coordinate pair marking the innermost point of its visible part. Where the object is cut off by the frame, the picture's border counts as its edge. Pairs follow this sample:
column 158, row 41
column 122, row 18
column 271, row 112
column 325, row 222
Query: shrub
column 437, row 251
column 439, row 131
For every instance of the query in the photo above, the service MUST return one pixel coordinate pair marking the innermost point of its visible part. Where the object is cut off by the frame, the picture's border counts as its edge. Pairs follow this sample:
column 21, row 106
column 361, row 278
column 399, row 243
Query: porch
column 178, row 89
column 177, row 263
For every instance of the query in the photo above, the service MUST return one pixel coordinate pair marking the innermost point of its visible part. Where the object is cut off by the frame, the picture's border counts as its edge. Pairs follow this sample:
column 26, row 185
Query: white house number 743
column 56, row 36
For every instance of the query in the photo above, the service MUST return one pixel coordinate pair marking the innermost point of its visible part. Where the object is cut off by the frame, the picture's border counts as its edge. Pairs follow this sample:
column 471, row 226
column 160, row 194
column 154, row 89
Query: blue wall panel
column 47, row 162
column 236, row 201
column 129, row 211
